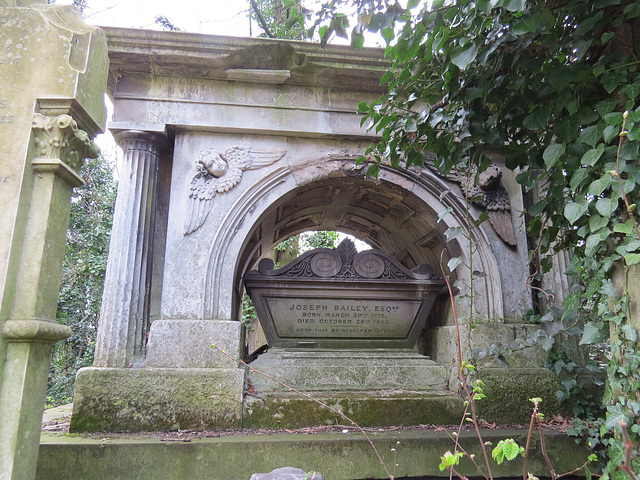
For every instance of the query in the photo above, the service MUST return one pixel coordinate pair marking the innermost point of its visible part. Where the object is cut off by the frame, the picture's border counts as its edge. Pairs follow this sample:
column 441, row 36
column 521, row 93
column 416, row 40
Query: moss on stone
column 285, row 410
column 156, row 399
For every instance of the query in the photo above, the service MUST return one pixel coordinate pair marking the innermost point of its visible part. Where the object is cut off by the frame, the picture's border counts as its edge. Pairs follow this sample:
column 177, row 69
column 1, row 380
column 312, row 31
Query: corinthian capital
column 58, row 137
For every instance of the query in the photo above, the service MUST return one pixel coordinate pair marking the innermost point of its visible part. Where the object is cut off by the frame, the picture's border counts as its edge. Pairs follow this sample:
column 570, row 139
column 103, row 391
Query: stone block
column 360, row 370
column 187, row 344
column 508, row 391
column 152, row 399
column 367, row 409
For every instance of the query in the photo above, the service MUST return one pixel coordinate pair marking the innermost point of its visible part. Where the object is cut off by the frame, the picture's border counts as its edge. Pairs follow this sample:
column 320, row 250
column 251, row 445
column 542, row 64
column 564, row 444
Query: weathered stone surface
column 369, row 409
column 341, row 298
column 331, row 370
column 287, row 473
column 124, row 313
column 508, row 391
column 338, row 456
column 53, row 69
column 112, row 399
column 187, row 344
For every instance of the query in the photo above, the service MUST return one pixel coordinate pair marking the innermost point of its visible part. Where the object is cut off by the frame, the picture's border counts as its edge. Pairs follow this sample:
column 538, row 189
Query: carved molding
column 345, row 262
column 34, row 330
column 58, row 137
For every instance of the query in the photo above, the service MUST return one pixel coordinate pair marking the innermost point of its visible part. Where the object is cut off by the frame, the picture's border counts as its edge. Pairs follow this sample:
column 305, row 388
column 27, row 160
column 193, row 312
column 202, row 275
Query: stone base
column 367, row 409
column 337, row 456
column 157, row 399
column 316, row 370
column 508, row 391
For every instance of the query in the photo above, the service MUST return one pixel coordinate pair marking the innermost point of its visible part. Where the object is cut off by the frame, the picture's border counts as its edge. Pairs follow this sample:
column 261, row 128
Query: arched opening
column 396, row 213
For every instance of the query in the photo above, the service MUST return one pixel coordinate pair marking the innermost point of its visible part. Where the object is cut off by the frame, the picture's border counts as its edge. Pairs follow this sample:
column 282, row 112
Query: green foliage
column 553, row 87
column 319, row 239
column 506, row 449
column 279, row 18
column 449, row 460
column 82, row 277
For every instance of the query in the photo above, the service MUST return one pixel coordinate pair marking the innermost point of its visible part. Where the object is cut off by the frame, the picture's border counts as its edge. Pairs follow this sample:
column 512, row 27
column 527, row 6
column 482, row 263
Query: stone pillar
column 124, row 317
column 31, row 329
column 54, row 73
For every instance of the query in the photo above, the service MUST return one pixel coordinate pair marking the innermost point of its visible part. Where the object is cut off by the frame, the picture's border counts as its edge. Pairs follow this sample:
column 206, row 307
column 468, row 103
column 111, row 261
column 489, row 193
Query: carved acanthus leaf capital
column 58, row 137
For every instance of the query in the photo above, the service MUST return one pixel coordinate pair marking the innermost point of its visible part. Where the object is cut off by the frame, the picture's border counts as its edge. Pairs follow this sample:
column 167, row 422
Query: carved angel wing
column 494, row 198
column 202, row 191
column 219, row 174
column 251, row 158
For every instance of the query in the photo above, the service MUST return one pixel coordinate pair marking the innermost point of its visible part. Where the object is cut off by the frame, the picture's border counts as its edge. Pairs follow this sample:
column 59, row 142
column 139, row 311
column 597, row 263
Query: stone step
column 368, row 409
column 337, row 456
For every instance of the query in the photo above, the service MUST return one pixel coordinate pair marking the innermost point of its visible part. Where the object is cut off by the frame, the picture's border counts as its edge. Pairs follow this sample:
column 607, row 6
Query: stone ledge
column 235, row 457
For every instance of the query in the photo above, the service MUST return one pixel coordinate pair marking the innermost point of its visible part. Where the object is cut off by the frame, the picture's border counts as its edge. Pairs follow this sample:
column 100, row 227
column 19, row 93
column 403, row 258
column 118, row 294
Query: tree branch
column 263, row 23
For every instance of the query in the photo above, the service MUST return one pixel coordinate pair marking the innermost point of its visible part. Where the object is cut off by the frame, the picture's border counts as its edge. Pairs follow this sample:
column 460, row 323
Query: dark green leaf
column 461, row 57
column 553, row 153
column 538, row 119
column 527, row 25
column 592, row 334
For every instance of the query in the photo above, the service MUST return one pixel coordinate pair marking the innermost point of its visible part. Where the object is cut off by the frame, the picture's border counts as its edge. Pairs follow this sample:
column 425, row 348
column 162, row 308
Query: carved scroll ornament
column 345, row 262
column 219, row 173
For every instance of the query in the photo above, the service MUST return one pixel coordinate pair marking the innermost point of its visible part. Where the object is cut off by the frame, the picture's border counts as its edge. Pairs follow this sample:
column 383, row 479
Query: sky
column 218, row 17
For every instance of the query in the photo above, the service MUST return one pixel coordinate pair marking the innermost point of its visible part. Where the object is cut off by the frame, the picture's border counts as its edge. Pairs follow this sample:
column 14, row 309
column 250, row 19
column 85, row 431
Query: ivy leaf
column 626, row 227
column 553, row 153
column 596, row 222
column 593, row 155
column 630, row 333
column 527, row 25
column 632, row 258
column 631, row 90
column 610, row 132
column 592, row 334
column 606, row 206
column 452, row 233
column 598, row 186
column 461, row 57
column 515, row 5
column 574, row 210
column 578, row 177
column 453, row 263
column 615, row 416
column 591, row 135
column 538, row 119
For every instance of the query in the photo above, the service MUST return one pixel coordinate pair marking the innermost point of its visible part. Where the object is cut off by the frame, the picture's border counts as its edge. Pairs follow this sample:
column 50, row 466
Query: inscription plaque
column 343, row 299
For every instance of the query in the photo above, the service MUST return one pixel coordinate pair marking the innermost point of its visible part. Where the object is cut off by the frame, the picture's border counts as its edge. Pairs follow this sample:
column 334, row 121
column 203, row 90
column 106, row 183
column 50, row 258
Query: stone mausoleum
column 230, row 146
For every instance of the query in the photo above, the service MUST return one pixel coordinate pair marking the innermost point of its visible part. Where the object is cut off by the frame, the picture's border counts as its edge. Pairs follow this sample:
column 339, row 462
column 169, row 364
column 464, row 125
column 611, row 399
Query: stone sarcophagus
column 343, row 299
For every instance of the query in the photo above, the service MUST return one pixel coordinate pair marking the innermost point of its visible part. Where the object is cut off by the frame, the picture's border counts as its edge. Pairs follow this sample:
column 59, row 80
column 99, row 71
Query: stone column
column 124, row 317
column 31, row 329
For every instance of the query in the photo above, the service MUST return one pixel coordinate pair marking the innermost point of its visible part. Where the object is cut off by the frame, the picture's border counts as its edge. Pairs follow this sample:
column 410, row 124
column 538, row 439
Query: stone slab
column 370, row 409
column 187, row 343
column 338, row 456
column 112, row 399
column 329, row 370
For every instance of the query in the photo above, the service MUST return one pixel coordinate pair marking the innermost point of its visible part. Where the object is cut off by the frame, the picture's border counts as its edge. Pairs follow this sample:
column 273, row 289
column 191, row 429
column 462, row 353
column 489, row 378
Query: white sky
column 218, row 17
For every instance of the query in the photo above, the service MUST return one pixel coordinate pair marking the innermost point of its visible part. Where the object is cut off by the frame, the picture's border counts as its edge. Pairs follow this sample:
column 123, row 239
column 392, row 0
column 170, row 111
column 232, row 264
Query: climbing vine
column 552, row 87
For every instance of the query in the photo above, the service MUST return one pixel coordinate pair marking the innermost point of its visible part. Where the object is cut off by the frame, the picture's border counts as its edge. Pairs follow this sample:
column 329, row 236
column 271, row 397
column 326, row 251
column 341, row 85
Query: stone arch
column 398, row 213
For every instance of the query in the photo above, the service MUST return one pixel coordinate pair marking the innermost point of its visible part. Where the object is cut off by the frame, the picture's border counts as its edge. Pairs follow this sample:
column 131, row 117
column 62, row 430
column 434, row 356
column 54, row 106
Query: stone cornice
column 135, row 51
